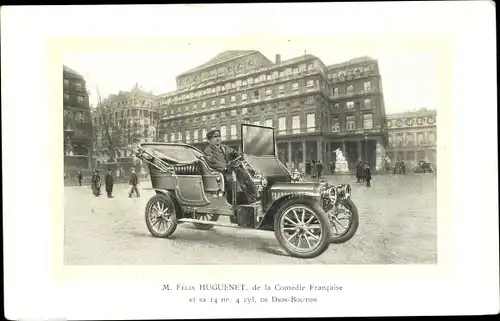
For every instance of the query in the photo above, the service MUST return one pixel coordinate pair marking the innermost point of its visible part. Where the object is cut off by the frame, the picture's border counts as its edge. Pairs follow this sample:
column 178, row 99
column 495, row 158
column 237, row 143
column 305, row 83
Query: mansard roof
column 352, row 62
column 220, row 58
column 71, row 71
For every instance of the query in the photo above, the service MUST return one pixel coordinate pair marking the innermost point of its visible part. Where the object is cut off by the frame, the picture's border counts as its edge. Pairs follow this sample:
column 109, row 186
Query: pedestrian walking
column 367, row 175
column 109, row 183
column 314, row 170
column 308, row 168
column 133, row 182
column 360, row 168
column 332, row 167
column 80, row 177
column 96, row 183
column 319, row 169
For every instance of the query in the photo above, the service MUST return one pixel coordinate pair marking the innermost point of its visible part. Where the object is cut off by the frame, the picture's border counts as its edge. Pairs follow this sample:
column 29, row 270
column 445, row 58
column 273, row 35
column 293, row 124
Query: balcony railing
column 296, row 131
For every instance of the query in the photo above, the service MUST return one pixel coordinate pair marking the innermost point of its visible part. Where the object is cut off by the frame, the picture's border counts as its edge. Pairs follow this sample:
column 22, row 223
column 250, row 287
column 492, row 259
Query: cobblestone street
column 397, row 226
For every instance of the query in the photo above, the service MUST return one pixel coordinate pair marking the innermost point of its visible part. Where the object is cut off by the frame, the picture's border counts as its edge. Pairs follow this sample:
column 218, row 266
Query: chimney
column 278, row 59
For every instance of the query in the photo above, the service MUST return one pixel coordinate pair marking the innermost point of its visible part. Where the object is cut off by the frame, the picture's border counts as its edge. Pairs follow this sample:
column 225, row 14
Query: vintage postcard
column 252, row 160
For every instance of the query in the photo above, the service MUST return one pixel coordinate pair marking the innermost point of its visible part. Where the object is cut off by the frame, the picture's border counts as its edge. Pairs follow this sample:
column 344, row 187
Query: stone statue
column 69, row 147
column 341, row 165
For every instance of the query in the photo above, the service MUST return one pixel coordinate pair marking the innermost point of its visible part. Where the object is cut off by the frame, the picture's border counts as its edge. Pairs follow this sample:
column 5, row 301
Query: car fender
column 178, row 208
column 272, row 209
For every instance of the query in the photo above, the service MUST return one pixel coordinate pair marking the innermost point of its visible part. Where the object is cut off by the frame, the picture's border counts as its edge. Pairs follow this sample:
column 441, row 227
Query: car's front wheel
column 302, row 228
column 344, row 221
column 160, row 216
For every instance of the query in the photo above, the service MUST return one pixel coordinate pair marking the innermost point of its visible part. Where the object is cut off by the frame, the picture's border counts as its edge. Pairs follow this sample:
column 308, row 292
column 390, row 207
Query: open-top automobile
column 306, row 217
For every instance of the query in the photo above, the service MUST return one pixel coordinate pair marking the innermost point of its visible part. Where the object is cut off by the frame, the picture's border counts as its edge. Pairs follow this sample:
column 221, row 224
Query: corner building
column 412, row 136
column 313, row 108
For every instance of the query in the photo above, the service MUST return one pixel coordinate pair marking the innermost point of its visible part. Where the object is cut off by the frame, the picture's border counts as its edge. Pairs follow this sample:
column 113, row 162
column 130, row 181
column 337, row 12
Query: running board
column 190, row 220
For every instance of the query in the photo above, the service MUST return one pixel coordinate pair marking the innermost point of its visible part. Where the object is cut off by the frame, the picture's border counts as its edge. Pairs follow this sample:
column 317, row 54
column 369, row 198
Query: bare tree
column 110, row 128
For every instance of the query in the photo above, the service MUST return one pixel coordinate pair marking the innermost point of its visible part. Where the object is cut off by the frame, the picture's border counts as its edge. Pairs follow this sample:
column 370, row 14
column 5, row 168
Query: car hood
column 307, row 188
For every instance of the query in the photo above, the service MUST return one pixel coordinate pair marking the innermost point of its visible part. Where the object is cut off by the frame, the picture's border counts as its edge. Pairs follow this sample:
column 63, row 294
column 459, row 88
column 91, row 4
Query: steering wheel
column 234, row 161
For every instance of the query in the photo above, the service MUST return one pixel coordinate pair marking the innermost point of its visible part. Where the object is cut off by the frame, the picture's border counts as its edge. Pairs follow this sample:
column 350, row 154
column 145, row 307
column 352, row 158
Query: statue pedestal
column 341, row 166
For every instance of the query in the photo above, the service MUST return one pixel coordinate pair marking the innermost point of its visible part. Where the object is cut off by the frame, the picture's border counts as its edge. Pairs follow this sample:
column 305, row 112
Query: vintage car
column 306, row 217
column 423, row 167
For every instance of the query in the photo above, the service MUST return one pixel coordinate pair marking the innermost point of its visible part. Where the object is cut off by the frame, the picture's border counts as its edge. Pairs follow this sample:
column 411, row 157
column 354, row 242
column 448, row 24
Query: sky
column 408, row 70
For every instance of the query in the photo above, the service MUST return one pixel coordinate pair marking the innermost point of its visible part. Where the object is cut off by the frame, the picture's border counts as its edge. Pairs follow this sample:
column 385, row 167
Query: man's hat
column 211, row 133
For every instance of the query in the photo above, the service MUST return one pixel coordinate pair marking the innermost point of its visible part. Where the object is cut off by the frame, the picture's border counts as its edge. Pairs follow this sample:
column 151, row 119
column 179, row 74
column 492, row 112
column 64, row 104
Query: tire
column 314, row 214
column 206, row 217
column 161, row 203
column 351, row 229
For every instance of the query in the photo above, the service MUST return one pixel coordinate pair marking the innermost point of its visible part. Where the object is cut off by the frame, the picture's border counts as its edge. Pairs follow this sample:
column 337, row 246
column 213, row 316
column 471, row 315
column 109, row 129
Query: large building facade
column 412, row 136
column 314, row 108
column 77, row 121
column 122, row 120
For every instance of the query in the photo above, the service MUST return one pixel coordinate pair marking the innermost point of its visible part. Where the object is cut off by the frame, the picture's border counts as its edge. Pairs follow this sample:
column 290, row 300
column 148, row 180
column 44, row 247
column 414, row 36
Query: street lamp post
column 366, row 148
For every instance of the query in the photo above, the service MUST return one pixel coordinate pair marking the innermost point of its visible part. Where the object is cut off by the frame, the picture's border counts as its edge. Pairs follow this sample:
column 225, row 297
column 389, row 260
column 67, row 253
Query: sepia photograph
column 271, row 159
column 246, row 159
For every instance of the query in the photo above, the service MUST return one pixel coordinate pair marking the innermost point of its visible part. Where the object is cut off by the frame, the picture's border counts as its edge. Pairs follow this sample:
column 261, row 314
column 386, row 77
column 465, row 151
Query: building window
column 310, row 122
column 188, row 137
column 296, row 124
column 268, row 92
column 172, row 137
column 66, row 82
column 399, row 139
column 310, row 83
column 179, row 136
column 223, row 132
column 295, row 70
column 335, row 125
column 66, row 96
column 367, row 86
column 203, row 104
column 262, row 78
column 430, row 138
column 420, row 138
column 282, row 124
column 350, row 104
column 256, row 94
column 233, row 112
column 222, row 101
column 295, row 86
column 350, row 88
column 281, row 89
column 244, row 83
column 233, row 132
column 195, row 135
column 213, row 102
column 233, row 99
column 350, row 123
column 78, row 85
column 257, row 122
column 250, row 81
column 204, row 133
column 391, row 141
column 204, row 118
column 238, row 83
column 244, row 96
column 367, row 103
column 336, row 106
column 233, row 85
column 282, row 74
column 409, row 139
column 335, row 91
column 244, row 111
column 269, row 123
column 368, row 121
column 269, row 77
column 310, row 67
column 256, row 80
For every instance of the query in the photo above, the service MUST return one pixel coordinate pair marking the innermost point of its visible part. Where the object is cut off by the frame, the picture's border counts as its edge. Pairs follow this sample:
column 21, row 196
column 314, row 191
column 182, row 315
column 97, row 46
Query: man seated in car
column 219, row 156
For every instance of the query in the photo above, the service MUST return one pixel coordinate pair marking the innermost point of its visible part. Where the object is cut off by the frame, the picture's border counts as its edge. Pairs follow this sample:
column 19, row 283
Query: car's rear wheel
column 344, row 222
column 160, row 216
column 205, row 217
column 302, row 228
